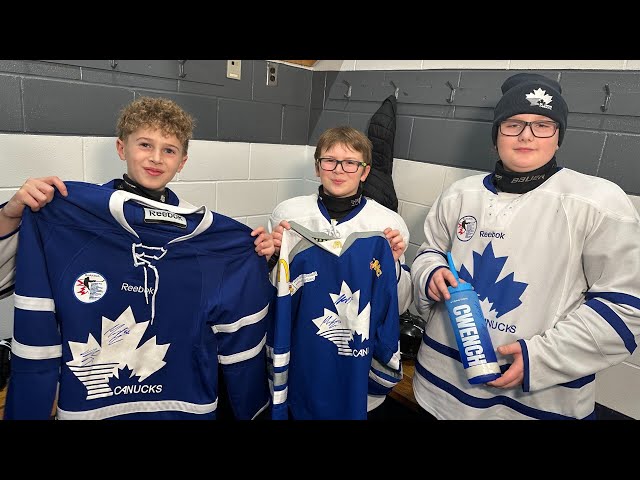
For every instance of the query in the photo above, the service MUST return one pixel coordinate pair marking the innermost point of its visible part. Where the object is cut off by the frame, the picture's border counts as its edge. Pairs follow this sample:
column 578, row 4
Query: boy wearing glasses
column 553, row 255
column 342, row 162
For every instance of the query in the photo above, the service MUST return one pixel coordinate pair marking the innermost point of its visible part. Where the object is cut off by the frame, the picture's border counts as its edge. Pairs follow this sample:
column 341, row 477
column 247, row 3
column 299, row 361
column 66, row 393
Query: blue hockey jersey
column 130, row 305
column 335, row 335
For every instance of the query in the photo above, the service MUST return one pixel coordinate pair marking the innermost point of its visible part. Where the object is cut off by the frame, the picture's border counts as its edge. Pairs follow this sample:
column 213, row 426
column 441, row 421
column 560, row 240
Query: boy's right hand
column 277, row 235
column 35, row 193
column 438, row 285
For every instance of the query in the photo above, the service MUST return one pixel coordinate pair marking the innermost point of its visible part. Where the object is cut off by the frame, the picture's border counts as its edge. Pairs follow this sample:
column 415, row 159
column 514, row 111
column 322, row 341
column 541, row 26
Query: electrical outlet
column 234, row 69
column 272, row 74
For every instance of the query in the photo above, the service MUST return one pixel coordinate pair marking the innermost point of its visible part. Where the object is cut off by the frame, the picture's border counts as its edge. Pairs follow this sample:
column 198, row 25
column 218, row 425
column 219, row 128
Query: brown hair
column 160, row 113
column 347, row 136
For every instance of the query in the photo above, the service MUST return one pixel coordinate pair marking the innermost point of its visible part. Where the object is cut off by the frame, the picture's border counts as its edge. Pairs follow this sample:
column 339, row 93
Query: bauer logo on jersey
column 164, row 216
column 90, row 287
column 345, row 327
column 466, row 227
column 116, row 364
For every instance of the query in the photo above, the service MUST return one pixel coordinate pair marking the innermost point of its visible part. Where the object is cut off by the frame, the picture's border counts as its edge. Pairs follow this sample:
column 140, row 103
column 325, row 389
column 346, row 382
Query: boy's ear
column 365, row 174
column 120, row 149
column 184, row 160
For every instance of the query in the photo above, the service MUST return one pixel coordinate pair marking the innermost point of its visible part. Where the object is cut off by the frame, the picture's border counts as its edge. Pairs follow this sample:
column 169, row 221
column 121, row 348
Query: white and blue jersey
column 555, row 269
column 129, row 306
column 334, row 339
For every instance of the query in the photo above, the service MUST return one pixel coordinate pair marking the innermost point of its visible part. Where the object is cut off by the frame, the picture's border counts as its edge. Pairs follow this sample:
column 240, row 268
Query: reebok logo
column 135, row 288
column 164, row 216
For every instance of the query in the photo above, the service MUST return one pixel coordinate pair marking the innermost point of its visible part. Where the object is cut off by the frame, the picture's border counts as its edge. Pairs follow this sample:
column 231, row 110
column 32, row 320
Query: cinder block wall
column 253, row 143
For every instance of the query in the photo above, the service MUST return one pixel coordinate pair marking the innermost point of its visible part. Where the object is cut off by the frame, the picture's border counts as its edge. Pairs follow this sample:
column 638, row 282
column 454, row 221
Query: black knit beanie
column 531, row 93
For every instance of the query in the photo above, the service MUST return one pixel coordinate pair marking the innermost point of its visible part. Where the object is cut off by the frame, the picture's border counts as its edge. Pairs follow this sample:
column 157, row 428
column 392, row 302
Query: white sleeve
column 432, row 254
column 605, row 329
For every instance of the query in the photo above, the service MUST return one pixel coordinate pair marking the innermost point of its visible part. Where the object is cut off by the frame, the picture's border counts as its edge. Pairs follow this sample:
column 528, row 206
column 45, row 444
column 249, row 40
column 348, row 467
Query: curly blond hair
column 160, row 113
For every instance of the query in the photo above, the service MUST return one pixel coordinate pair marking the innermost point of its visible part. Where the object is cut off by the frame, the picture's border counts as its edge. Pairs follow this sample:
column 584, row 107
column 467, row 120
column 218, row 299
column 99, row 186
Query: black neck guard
column 340, row 207
column 129, row 185
column 518, row 182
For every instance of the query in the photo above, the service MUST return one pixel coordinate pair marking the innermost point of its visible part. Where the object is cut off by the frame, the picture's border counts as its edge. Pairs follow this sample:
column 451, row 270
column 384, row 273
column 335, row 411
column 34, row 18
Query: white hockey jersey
column 557, row 269
column 335, row 332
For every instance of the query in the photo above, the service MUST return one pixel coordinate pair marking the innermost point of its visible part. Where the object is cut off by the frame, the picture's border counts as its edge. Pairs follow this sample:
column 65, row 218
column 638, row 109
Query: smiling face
column 153, row 159
column 338, row 183
column 526, row 152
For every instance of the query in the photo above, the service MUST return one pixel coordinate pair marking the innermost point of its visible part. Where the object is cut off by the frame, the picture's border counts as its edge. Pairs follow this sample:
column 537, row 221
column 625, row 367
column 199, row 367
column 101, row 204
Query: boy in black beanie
column 543, row 247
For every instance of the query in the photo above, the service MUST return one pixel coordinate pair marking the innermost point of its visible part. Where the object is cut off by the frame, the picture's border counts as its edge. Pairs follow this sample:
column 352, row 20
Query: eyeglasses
column 540, row 128
column 348, row 166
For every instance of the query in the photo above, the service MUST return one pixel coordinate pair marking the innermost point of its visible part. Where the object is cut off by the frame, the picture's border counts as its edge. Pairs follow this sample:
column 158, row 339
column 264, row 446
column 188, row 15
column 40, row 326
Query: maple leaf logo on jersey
column 95, row 363
column 346, row 328
column 540, row 98
column 498, row 297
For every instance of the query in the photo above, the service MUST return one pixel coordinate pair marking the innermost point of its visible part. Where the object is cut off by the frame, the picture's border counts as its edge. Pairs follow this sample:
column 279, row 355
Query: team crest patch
column 90, row 287
column 375, row 265
column 540, row 98
column 467, row 226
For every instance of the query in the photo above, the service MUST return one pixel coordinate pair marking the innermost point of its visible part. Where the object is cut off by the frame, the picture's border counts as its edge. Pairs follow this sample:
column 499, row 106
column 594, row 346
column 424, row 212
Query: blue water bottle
column 476, row 350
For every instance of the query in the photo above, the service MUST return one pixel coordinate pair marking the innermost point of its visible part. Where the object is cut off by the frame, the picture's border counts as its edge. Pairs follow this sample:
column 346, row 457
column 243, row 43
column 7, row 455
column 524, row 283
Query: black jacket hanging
column 382, row 132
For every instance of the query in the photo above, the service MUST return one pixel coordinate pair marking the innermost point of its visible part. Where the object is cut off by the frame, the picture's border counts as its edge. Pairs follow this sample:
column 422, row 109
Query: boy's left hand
column 514, row 376
column 396, row 242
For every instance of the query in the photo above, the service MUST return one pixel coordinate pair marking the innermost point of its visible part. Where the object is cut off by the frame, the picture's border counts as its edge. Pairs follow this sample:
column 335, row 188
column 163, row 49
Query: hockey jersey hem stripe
column 242, row 356
column 485, row 403
column 138, row 407
column 30, row 352
column 244, row 321
column 36, row 304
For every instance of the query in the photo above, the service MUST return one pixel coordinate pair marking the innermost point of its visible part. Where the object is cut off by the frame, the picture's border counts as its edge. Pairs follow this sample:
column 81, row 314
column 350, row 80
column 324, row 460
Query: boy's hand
column 35, row 193
column 277, row 235
column 264, row 242
column 396, row 242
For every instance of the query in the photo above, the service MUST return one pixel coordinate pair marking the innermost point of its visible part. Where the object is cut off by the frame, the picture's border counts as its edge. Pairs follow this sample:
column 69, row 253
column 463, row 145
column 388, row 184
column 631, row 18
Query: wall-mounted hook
column 452, row 94
column 114, row 63
column 348, row 94
column 181, row 73
column 396, row 90
column 605, row 106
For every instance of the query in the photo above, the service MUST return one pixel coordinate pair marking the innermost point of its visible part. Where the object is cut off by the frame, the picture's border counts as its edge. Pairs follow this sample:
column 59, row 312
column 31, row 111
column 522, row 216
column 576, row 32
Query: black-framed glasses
column 539, row 128
column 348, row 166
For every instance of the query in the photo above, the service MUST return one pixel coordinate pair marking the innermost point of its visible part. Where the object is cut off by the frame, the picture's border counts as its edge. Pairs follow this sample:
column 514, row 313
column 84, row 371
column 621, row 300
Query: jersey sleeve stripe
column 381, row 381
column 35, row 353
column 244, row 355
column 244, row 321
column 34, row 303
column 280, row 378
column 616, row 322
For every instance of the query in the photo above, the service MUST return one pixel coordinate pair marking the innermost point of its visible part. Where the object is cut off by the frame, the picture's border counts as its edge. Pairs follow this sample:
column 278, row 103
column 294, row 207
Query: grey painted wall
column 437, row 123
column 441, row 126
column 84, row 97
